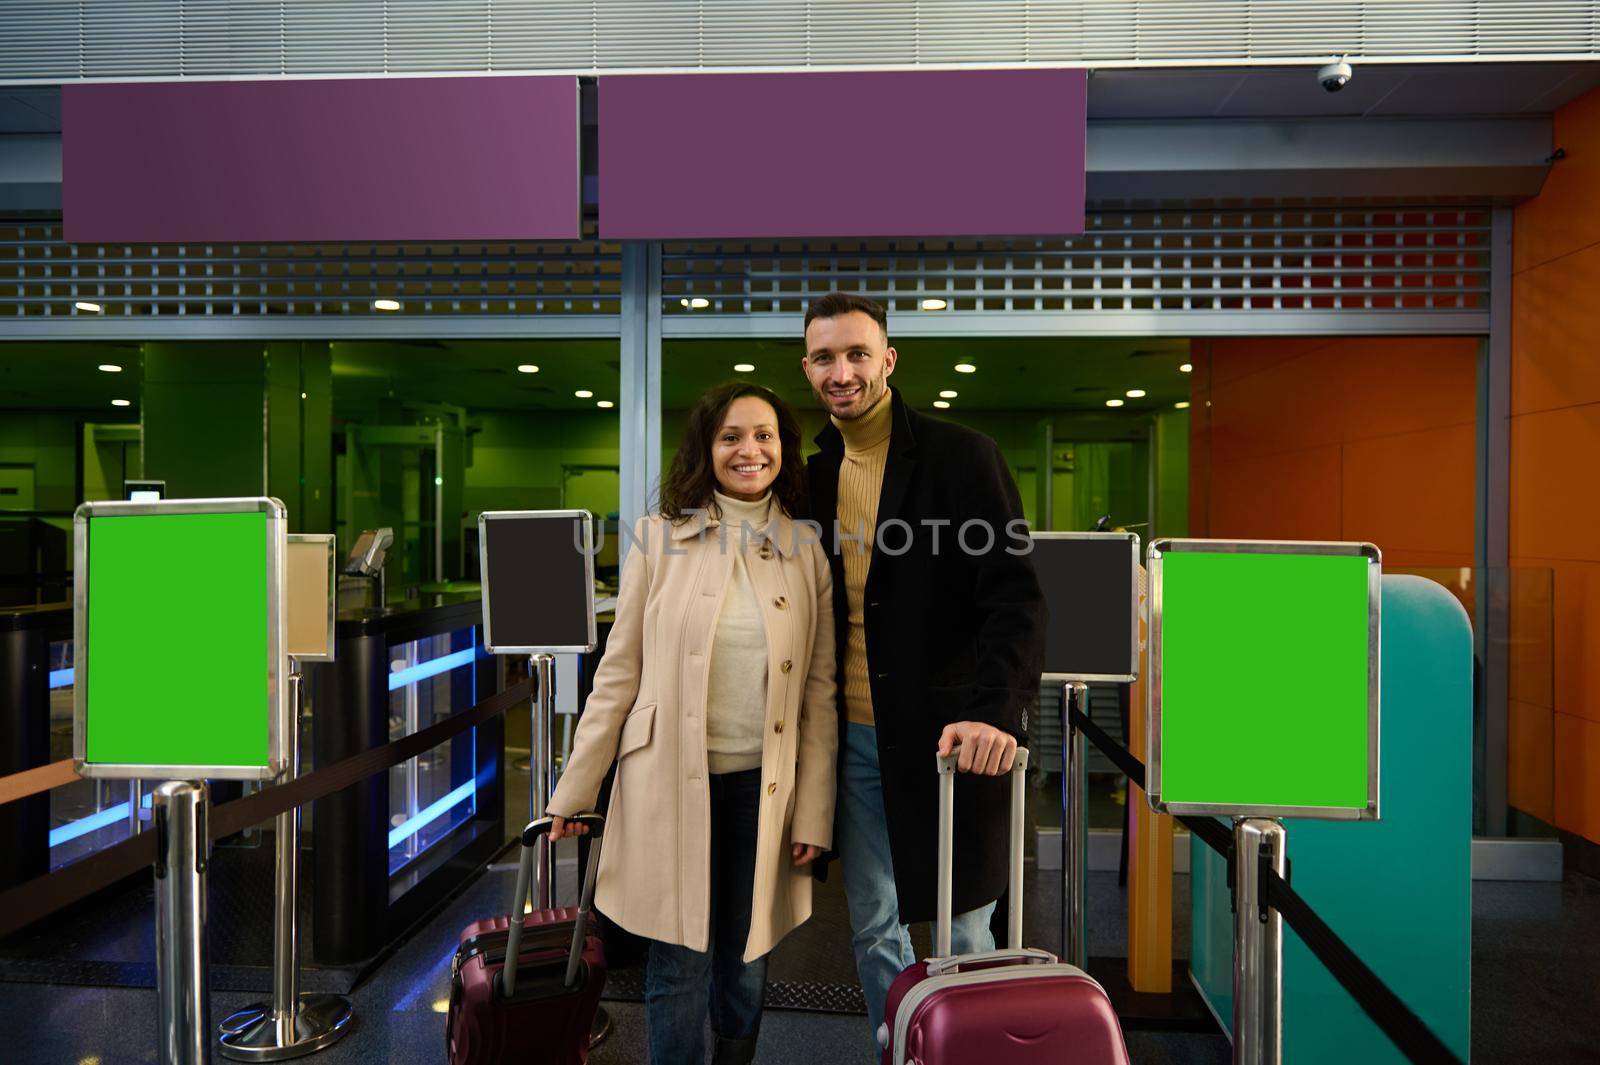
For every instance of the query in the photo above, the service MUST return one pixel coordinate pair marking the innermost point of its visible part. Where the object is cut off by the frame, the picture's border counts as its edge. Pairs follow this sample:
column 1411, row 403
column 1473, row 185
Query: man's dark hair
column 691, row 479
column 836, row 303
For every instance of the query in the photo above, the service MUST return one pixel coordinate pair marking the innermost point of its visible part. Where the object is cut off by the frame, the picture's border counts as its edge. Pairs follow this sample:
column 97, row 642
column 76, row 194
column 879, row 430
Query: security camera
column 1335, row 76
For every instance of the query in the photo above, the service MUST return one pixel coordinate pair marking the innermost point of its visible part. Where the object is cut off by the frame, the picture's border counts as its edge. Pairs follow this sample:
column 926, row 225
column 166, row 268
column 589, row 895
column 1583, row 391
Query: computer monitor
column 144, row 491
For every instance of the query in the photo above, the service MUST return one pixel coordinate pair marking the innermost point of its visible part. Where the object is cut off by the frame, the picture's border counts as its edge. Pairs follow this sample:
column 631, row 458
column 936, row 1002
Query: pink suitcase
column 524, row 990
column 1017, row 1005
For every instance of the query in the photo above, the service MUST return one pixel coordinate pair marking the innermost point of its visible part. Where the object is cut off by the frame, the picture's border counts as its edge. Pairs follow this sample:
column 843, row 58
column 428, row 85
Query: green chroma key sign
column 1264, row 695
column 178, row 620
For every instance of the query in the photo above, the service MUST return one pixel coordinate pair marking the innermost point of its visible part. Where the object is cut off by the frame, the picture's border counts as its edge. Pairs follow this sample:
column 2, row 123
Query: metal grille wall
column 55, row 40
column 1258, row 262
column 42, row 276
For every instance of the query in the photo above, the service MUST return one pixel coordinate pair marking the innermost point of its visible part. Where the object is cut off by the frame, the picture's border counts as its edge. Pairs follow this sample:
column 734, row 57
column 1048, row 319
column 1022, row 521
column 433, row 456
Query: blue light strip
column 431, row 668
column 86, row 825
column 61, row 678
column 433, row 812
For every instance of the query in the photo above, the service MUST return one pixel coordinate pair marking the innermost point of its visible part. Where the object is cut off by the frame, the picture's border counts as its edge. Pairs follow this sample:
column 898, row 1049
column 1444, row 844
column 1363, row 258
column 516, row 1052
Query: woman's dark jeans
column 681, row 985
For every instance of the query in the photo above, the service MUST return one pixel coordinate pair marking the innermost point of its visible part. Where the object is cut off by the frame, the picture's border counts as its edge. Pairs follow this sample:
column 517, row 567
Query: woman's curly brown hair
column 691, row 480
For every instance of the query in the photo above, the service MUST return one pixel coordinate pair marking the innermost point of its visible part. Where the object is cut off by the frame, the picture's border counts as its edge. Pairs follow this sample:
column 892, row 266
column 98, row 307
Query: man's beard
column 871, row 392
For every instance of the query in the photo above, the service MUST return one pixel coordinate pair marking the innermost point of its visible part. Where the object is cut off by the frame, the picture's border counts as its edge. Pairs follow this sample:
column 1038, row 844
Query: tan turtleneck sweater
column 736, row 695
column 866, row 453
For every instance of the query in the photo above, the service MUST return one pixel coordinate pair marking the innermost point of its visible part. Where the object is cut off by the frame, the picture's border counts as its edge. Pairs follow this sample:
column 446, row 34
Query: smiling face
column 848, row 361
column 746, row 454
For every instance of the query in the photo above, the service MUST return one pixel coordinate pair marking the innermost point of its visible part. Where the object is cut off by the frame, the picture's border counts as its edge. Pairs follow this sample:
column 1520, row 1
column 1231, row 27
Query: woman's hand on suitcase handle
column 981, row 748
column 561, row 827
column 805, row 852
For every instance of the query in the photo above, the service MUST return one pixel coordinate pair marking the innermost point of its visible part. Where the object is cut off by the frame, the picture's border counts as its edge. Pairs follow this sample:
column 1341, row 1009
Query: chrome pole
column 182, row 997
column 292, row 1025
column 541, row 775
column 1074, row 827
column 1257, row 944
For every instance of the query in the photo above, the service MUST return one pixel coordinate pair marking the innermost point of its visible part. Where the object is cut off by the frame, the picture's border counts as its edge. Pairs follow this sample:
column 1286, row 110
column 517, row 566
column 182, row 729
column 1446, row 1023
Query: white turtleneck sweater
column 736, row 697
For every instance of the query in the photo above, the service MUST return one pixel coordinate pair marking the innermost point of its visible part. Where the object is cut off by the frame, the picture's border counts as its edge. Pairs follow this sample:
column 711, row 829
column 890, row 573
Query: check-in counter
column 387, row 849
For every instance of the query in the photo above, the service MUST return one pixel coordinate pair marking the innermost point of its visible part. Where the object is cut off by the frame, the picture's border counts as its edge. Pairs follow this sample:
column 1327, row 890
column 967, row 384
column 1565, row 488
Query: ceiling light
column 1182, row 404
column 302, row 395
column 604, row 404
column 966, row 367
column 386, row 305
column 92, row 308
column 744, row 367
column 121, row 403
column 948, row 393
column 1135, row 393
column 934, row 305
column 527, row 367
column 1186, row 367
column 584, row 393
column 697, row 303
column 942, row 404
column 110, row 367
column 1113, row 402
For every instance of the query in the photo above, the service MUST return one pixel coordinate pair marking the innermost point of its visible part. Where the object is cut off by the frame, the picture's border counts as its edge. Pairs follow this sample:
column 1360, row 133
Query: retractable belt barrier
column 1410, row 1035
column 44, row 895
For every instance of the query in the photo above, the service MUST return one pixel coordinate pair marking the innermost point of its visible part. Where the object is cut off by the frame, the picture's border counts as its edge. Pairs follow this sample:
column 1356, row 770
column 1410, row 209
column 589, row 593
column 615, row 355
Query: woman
column 716, row 699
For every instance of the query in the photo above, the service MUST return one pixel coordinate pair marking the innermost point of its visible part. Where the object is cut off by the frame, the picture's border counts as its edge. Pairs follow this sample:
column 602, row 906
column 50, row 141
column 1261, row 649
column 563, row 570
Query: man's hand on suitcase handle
column 981, row 748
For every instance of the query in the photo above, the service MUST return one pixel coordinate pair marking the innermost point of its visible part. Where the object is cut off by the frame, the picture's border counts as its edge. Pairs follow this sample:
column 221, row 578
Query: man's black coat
column 952, row 635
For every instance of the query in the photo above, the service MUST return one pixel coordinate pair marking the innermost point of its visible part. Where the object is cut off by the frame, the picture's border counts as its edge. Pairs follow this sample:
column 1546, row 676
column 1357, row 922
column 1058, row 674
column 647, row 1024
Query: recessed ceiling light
column 942, row 404
column 110, row 367
column 934, row 305
column 696, row 304
column 948, row 393
column 302, row 395
column 92, row 308
column 527, row 367
column 584, row 393
column 1186, row 367
column 121, row 403
column 1182, row 404
column 604, row 404
column 744, row 367
column 1135, row 393
column 966, row 367
column 1113, row 402
column 386, row 305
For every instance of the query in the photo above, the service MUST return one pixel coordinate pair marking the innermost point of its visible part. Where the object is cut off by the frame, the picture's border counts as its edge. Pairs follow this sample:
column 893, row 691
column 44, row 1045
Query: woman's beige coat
column 647, row 712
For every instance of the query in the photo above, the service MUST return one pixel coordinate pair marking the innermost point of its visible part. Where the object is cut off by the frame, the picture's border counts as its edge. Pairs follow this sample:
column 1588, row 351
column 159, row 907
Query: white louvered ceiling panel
column 61, row 40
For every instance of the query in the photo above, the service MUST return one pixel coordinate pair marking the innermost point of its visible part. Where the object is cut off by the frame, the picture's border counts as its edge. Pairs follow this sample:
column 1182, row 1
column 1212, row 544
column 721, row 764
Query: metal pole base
column 252, row 1033
column 601, row 1028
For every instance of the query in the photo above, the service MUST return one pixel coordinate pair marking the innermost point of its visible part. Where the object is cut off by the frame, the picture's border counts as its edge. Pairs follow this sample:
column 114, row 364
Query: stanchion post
column 1257, row 943
column 183, row 1000
column 541, row 775
column 1074, row 826
column 291, row 1025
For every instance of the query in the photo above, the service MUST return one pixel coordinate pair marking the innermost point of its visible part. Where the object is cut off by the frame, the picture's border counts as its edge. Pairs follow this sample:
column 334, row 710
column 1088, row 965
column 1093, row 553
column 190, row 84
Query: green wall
column 544, row 460
column 48, row 441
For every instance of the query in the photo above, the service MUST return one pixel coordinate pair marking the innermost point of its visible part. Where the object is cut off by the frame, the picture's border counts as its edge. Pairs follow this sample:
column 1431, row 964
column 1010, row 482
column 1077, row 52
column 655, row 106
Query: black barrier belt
column 1409, row 1033
column 22, row 905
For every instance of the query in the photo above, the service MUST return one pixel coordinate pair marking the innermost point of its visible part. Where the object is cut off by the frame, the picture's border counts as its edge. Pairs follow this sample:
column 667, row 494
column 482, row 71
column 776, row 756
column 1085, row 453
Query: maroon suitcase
column 524, row 990
column 1017, row 1005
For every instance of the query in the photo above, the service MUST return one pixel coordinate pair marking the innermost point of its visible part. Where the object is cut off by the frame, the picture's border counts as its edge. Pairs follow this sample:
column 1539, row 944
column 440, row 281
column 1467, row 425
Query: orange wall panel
column 1577, row 775
column 1402, row 384
column 1562, row 218
column 1531, row 758
column 1413, row 492
column 1555, row 510
column 1290, row 496
column 1249, row 355
column 1555, row 332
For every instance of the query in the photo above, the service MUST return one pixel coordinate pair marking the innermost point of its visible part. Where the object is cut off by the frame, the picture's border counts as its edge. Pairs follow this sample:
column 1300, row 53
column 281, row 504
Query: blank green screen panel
column 1264, row 680
column 178, row 642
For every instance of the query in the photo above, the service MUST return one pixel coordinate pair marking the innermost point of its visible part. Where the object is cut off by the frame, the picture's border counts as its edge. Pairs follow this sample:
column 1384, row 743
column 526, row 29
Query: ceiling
column 1387, row 90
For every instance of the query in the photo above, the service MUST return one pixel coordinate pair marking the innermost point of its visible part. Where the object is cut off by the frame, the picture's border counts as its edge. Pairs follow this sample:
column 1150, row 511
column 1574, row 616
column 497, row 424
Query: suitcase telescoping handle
column 530, row 836
column 947, row 817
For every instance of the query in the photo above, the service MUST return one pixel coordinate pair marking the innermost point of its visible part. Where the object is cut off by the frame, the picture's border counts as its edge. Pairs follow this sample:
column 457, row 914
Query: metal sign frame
column 1137, row 613
column 1161, row 547
column 586, row 549
column 278, row 723
column 333, row 587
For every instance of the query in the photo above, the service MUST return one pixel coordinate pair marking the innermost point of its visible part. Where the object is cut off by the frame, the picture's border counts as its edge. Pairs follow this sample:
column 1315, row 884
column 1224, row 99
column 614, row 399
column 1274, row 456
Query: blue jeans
column 681, row 985
column 882, row 944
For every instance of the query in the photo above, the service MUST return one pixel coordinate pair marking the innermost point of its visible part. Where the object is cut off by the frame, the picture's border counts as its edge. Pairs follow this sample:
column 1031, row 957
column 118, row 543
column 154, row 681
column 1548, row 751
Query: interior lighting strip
column 431, row 668
column 61, row 678
column 431, row 813
column 85, row 825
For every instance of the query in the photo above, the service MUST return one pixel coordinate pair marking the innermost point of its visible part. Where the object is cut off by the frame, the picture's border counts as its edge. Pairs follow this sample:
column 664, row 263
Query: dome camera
column 1335, row 76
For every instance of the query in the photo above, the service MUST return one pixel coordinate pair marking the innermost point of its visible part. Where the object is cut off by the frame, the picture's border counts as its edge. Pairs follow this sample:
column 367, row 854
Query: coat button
column 778, row 727
column 772, row 788
column 787, row 665
column 766, row 550
column 781, row 603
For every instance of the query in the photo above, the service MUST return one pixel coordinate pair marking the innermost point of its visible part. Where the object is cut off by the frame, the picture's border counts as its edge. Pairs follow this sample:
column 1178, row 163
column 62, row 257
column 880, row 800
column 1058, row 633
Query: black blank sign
column 538, row 592
column 1091, row 586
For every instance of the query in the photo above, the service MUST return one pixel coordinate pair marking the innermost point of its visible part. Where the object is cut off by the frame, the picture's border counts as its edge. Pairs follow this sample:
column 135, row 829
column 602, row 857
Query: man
column 940, row 626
